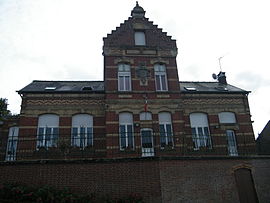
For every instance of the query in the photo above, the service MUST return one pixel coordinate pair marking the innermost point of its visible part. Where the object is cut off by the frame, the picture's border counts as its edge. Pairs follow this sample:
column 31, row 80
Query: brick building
column 140, row 111
column 263, row 140
column 140, row 107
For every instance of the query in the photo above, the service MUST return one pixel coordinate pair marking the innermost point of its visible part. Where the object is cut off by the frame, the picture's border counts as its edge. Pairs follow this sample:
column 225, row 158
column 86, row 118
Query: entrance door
column 147, row 142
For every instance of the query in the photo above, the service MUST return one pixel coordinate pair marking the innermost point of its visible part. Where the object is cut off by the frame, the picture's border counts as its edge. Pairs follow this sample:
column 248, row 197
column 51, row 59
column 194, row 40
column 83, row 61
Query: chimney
column 222, row 78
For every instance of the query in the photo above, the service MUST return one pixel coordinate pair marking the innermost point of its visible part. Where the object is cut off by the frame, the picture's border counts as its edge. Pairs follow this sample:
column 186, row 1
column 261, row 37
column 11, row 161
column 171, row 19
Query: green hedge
column 45, row 194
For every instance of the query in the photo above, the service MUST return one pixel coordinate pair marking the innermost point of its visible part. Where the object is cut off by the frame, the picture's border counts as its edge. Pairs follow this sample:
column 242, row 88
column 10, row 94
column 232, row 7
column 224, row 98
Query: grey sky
column 62, row 40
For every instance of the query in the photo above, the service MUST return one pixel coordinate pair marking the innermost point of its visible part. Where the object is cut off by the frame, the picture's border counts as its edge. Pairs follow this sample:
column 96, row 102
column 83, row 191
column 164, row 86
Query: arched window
column 12, row 143
column 227, row 117
column 200, row 130
column 124, row 77
column 82, row 130
column 161, row 77
column 48, row 129
column 126, row 130
column 145, row 116
column 139, row 38
column 165, row 129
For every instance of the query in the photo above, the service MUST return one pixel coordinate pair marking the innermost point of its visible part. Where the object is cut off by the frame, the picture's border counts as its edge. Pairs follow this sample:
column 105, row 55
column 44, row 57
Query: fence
column 128, row 145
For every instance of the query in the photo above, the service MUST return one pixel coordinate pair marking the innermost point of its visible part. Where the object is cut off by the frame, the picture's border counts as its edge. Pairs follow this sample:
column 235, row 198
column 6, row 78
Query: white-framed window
column 200, row 130
column 12, row 143
column 161, row 77
column 48, row 130
column 165, row 129
column 124, row 77
column 147, row 142
column 145, row 116
column 126, row 130
column 139, row 38
column 232, row 144
column 82, row 130
column 227, row 117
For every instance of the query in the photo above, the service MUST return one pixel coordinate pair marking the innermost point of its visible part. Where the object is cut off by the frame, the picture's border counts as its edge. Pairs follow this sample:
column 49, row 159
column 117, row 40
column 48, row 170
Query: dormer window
column 87, row 88
column 50, row 88
column 161, row 77
column 139, row 38
column 124, row 77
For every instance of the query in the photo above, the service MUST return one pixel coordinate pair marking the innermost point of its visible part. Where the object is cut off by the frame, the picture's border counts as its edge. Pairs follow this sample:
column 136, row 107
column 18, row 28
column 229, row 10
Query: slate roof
column 209, row 87
column 38, row 86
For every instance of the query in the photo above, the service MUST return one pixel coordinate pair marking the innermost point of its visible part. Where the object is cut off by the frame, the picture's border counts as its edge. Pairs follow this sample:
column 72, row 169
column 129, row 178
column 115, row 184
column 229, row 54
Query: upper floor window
column 139, row 38
column 126, row 130
column 165, row 129
column 200, row 130
column 48, row 127
column 82, row 130
column 12, row 143
column 124, row 77
column 160, row 77
column 227, row 117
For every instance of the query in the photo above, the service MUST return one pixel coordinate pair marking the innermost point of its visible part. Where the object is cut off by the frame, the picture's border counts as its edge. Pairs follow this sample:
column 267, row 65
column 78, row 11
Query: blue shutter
column 207, row 136
column 82, row 137
column 40, row 137
column 55, row 134
column 89, row 136
column 169, row 134
column 74, row 139
column 122, row 136
column 130, row 136
column 162, row 135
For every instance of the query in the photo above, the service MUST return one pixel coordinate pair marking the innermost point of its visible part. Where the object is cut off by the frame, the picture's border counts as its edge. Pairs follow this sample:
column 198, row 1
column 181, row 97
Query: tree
column 3, row 108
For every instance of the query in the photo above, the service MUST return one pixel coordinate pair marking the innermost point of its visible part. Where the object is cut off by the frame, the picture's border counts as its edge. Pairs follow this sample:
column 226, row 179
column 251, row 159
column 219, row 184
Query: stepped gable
column 123, row 36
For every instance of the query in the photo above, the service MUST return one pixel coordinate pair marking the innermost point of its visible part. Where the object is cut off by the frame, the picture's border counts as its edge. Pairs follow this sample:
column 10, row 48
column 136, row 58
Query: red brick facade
column 156, row 180
column 188, row 160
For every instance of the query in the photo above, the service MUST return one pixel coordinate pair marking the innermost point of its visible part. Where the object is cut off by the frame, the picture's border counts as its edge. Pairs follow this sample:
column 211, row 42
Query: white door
column 147, row 142
column 12, row 143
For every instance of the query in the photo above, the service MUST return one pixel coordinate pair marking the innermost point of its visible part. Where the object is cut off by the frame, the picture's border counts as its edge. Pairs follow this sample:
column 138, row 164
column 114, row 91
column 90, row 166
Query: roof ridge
column 68, row 80
column 199, row 81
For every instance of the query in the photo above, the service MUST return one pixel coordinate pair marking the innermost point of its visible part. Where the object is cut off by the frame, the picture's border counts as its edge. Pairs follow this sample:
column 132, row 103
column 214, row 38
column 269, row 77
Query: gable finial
column 137, row 11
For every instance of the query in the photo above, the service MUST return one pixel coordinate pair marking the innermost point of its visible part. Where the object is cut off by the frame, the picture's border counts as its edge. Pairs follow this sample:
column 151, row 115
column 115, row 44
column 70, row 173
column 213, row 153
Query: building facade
column 141, row 108
column 139, row 130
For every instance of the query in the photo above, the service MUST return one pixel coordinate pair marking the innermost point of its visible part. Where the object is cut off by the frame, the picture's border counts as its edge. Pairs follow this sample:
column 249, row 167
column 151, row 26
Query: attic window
column 87, row 88
column 50, row 88
column 222, row 88
column 139, row 38
column 191, row 88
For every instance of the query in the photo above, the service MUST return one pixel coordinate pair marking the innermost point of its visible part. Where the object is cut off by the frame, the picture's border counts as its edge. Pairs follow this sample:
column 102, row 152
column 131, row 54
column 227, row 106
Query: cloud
column 252, row 81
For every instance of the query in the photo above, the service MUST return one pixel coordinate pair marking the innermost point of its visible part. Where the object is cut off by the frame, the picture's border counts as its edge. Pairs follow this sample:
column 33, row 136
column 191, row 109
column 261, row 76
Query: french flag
column 145, row 106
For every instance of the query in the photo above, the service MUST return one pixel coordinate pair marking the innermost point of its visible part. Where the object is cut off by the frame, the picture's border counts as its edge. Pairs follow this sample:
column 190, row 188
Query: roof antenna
column 219, row 61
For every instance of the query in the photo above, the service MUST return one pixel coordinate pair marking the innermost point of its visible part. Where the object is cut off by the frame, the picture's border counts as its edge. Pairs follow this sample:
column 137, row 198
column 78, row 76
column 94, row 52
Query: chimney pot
column 222, row 78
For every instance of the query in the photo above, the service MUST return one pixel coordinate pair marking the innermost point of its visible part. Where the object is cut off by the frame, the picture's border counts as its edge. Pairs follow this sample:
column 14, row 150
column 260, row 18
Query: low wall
column 183, row 179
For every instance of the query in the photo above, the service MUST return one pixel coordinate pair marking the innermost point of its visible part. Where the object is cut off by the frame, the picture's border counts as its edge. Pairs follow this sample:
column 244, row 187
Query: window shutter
column 226, row 117
column 49, row 120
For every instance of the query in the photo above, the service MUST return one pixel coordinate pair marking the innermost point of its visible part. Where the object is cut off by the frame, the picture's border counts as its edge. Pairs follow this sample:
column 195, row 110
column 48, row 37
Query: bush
column 46, row 194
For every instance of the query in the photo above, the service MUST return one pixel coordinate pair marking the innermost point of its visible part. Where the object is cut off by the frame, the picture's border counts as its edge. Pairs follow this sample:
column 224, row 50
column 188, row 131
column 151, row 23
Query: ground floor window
column 201, row 137
column 232, row 145
column 82, row 137
column 47, row 137
column 126, row 136
column 12, row 144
